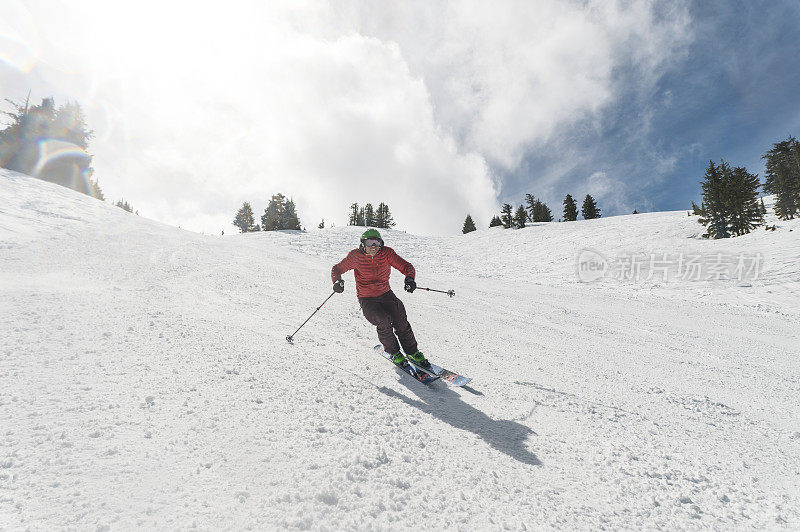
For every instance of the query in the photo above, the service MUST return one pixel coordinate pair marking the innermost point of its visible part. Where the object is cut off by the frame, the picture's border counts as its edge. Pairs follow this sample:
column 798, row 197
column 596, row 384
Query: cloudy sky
column 437, row 108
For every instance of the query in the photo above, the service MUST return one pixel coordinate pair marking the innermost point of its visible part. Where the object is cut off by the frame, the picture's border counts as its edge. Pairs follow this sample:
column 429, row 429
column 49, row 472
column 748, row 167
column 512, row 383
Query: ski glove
column 411, row 285
column 338, row 286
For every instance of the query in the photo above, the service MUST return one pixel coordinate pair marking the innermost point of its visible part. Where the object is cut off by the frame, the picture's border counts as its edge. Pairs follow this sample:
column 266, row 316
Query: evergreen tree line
column 370, row 217
column 125, row 206
column 280, row 214
column 534, row 210
column 30, row 126
column 730, row 205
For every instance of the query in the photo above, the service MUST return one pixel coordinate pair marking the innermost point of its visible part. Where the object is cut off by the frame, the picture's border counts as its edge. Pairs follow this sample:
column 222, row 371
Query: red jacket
column 372, row 273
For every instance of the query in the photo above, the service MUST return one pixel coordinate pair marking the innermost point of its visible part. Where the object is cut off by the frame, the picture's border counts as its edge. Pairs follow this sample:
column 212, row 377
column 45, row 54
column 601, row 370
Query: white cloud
column 509, row 76
column 198, row 108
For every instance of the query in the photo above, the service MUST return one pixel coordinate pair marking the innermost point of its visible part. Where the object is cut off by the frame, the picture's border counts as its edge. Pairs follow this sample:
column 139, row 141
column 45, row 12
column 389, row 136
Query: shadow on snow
column 443, row 403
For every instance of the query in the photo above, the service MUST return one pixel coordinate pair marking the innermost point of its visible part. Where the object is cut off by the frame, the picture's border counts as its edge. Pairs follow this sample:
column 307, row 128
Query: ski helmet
column 370, row 234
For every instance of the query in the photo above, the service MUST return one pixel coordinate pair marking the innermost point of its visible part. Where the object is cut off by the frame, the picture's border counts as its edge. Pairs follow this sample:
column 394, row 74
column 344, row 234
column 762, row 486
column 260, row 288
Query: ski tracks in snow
column 147, row 383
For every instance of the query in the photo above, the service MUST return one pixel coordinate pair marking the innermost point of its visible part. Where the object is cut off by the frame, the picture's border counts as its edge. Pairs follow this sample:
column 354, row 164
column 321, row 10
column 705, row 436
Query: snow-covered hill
column 145, row 379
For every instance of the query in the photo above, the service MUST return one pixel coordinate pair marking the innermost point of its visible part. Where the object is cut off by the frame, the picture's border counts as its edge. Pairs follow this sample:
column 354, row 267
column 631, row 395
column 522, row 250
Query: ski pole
column 450, row 293
column 291, row 336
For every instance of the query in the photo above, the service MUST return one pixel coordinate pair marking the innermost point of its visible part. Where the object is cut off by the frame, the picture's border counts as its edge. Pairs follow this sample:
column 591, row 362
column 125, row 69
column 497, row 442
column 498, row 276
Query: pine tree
column 273, row 214
column 635, row 211
column 520, row 217
column 353, row 215
column 697, row 211
column 244, row 218
column 288, row 218
column 469, row 225
column 507, row 217
column 34, row 126
column 96, row 191
column 11, row 136
column 369, row 215
column 785, row 203
column 537, row 210
column 360, row 219
column 570, row 209
column 542, row 212
column 743, row 212
column 378, row 219
column 29, row 124
column 547, row 215
column 383, row 218
column 713, row 211
column 530, row 201
column 69, row 124
column 590, row 210
column 763, row 208
column 388, row 219
column 730, row 201
column 495, row 221
column 782, row 177
column 94, row 187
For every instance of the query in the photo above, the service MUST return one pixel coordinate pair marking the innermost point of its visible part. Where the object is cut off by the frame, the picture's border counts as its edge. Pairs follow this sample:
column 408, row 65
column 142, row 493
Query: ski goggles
column 372, row 242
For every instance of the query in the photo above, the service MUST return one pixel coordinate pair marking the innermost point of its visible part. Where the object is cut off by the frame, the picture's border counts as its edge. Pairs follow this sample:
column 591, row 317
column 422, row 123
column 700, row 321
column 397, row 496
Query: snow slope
column 145, row 379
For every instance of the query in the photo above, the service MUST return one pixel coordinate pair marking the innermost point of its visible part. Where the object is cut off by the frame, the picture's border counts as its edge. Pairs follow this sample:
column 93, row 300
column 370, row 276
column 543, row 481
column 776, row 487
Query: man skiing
column 372, row 263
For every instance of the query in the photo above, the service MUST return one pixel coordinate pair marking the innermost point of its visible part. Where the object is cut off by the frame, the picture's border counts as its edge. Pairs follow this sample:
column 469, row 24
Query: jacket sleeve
column 401, row 265
column 347, row 264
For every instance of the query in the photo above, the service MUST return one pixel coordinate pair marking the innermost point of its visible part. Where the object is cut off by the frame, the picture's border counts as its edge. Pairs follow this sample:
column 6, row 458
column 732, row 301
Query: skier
column 372, row 263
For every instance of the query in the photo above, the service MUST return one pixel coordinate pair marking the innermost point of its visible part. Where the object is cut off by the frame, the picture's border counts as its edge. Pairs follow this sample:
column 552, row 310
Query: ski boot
column 400, row 359
column 419, row 359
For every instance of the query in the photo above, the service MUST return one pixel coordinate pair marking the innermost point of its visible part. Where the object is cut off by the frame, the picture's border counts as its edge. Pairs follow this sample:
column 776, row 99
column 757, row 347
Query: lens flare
column 64, row 163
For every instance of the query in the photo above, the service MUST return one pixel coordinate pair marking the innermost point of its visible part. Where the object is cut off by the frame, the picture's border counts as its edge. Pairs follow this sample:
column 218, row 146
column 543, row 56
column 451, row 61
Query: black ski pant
column 388, row 314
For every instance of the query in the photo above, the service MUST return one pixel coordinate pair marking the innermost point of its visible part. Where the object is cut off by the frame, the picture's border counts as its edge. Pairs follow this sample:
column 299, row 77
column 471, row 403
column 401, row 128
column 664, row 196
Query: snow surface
column 145, row 379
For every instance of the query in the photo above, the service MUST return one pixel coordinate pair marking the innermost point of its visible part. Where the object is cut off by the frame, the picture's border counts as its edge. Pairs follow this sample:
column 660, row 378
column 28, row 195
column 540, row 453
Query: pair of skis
column 426, row 375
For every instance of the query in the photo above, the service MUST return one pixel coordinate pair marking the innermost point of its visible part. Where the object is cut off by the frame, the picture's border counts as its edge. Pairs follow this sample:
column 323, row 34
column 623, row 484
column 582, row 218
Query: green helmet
column 371, row 233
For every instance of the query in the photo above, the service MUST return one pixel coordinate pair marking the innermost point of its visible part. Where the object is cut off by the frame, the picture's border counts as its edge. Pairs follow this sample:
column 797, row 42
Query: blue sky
column 438, row 109
column 734, row 93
